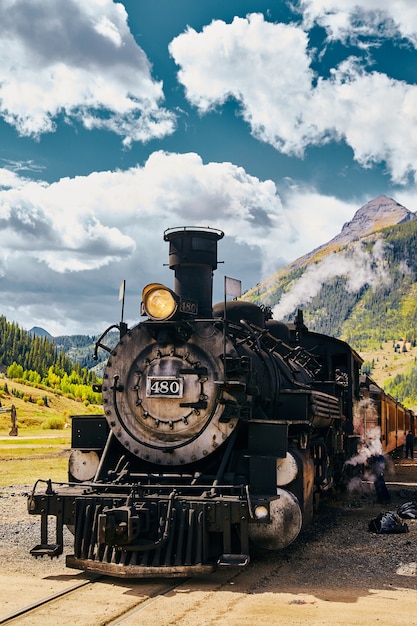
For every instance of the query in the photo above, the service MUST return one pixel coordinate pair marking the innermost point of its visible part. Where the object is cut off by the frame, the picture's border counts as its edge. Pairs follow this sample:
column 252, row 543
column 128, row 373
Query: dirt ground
column 337, row 572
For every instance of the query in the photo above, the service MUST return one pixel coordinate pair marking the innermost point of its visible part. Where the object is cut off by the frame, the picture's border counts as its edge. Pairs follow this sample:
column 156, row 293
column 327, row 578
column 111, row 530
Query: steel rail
column 5, row 619
column 144, row 605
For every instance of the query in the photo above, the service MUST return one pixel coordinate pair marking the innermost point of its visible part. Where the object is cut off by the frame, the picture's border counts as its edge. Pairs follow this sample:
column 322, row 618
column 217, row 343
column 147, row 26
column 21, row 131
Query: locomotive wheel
column 285, row 525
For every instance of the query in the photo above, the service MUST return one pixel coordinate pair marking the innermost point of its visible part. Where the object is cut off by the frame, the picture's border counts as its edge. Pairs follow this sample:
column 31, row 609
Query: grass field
column 37, row 451
column 26, row 458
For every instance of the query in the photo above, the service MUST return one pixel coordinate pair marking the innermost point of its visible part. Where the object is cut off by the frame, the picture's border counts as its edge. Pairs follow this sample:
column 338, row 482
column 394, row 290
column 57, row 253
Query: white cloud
column 266, row 68
column 51, row 223
column 316, row 218
column 77, row 59
column 376, row 116
column 9, row 179
column 86, row 222
column 348, row 19
column 83, row 235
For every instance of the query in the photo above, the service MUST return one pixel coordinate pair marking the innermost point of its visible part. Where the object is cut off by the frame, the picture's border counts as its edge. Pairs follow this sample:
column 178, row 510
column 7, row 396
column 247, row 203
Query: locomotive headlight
column 261, row 512
column 159, row 302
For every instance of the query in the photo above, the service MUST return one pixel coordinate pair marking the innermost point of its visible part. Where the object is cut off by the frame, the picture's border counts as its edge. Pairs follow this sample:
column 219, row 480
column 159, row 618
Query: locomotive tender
column 221, row 427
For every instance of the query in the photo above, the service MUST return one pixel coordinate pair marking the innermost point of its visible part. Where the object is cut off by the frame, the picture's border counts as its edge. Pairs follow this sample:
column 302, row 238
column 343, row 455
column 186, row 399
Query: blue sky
column 271, row 120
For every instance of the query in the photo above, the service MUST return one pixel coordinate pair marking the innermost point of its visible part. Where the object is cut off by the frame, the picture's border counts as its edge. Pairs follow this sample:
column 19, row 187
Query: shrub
column 54, row 423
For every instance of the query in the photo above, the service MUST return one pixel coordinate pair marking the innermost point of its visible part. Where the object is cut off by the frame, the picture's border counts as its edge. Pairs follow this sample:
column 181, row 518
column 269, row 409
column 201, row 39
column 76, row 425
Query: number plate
column 188, row 306
column 164, row 387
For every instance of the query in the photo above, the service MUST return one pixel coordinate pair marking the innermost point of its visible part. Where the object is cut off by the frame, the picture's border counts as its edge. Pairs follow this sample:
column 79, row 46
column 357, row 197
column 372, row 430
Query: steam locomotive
column 221, row 429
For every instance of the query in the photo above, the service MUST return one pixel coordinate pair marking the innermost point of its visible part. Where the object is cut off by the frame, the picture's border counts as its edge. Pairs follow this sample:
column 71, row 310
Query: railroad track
column 110, row 602
column 30, row 608
column 345, row 570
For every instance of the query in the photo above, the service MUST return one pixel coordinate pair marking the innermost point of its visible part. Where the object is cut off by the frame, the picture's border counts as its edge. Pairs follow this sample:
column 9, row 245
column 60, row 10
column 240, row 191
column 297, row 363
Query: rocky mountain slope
column 376, row 244
column 375, row 215
column 372, row 217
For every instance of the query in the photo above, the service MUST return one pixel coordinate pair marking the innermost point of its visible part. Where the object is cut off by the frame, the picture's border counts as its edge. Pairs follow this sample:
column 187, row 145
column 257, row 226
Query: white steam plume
column 359, row 266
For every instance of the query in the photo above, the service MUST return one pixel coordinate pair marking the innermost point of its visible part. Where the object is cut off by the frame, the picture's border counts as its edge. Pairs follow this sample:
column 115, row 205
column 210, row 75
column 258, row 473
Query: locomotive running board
column 137, row 571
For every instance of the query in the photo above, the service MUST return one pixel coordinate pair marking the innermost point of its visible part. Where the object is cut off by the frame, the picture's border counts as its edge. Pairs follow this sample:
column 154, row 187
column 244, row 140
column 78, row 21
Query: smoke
column 369, row 455
column 369, row 447
column 404, row 268
column 359, row 266
column 365, row 425
column 365, row 420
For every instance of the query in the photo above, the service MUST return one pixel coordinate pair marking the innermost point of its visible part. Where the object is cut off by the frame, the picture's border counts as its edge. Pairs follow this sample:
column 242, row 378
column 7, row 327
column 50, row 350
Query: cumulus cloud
column 360, row 267
column 86, row 222
column 89, row 232
column 37, row 220
column 266, row 67
column 77, row 60
column 375, row 114
column 347, row 20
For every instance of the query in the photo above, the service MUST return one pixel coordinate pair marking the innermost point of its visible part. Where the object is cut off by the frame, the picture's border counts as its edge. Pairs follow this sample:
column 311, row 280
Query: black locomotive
column 221, row 427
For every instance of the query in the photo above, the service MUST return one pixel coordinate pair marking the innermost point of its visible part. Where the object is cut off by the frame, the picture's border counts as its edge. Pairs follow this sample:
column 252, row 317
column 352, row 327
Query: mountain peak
column 36, row 331
column 373, row 216
column 376, row 214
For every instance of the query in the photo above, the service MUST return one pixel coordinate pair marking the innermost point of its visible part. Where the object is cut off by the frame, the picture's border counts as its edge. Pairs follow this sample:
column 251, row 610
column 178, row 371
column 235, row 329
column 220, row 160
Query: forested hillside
column 377, row 306
column 384, row 308
column 79, row 348
column 389, row 310
column 36, row 360
column 362, row 290
column 31, row 352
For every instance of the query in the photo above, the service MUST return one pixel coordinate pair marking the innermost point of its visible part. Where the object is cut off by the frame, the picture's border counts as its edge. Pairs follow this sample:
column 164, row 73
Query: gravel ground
column 337, row 547
column 336, row 573
column 19, row 533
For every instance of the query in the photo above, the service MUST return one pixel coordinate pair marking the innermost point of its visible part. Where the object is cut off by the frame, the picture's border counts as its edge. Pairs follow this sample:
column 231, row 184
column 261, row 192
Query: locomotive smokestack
column 193, row 257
